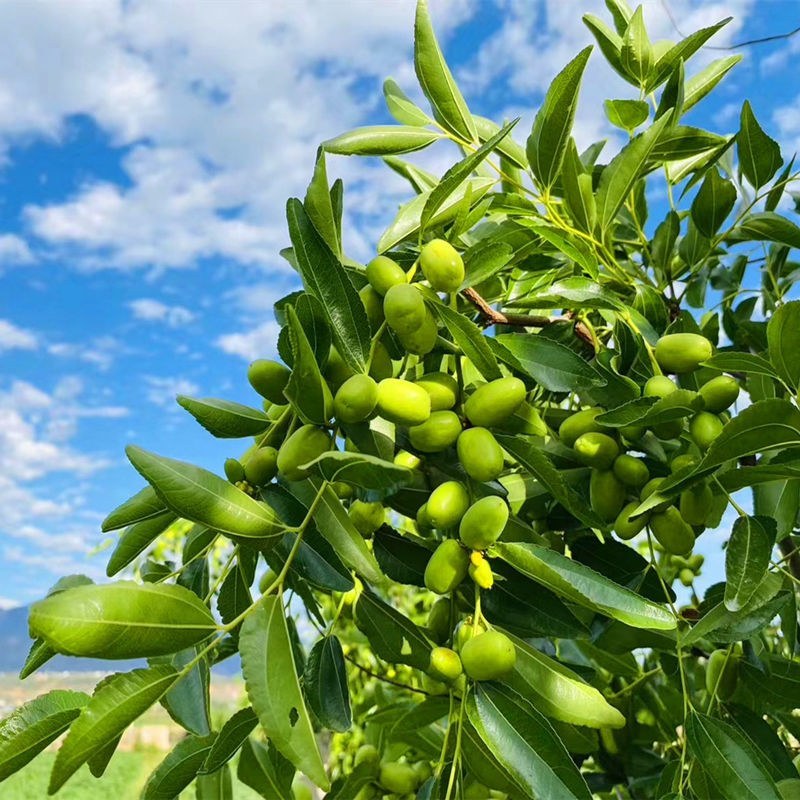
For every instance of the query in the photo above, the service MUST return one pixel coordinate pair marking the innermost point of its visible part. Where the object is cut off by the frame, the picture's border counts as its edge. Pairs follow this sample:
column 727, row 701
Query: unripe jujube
column 366, row 517
column 682, row 352
column 447, row 567
column 442, row 265
column 269, row 379
column 488, row 656
column 483, row 522
column 606, row 494
column 494, row 402
column 437, row 433
column 447, row 504
column 356, row 399
column 705, row 428
column 596, row 450
column 445, row 665
column 672, row 532
column 579, row 423
column 383, row 273
column 262, row 466
column 631, row 471
column 480, row 454
column 404, row 308
column 305, row 444
column 719, row 393
column 403, row 402
column 442, row 388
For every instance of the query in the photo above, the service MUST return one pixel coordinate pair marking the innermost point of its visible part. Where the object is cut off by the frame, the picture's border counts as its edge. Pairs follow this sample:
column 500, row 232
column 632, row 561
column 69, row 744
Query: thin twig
column 372, row 674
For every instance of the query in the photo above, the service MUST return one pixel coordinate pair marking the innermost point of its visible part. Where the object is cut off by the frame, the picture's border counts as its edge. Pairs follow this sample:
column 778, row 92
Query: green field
column 123, row 780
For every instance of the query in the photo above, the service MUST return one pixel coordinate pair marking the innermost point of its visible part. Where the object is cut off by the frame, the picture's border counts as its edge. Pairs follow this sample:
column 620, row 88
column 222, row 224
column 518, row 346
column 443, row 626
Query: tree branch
column 792, row 555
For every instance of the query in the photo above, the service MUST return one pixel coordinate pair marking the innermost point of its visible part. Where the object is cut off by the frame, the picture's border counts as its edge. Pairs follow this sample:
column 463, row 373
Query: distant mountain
column 15, row 643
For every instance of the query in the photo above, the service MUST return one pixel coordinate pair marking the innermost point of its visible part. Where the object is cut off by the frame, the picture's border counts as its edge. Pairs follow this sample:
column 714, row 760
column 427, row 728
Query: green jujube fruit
column 367, row 754
column 596, row 450
column 625, row 527
column 437, row 433
column 445, row 665
column 383, row 273
column 336, row 370
column 439, row 620
column 682, row 352
column 442, row 265
column 397, row 777
column 423, row 521
column 488, row 656
column 404, row 308
column 305, row 444
column 672, row 532
column 262, row 466
column 447, row 567
column 606, row 494
column 421, row 340
column 722, row 674
column 356, row 399
column 406, row 459
column 631, row 471
column 269, row 379
column 695, row 504
column 366, row 517
column 373, row 305
column 686, row 576
column 466, row 630
column 447, row 504
column 442, row 388
column 650, row 488
column 704, row 428
column 403, row 402
column 579, row 423
column 682, row 461
column 659, row 386
column 480, row 454
column 494, row 402
column 234, row 471
column 719, row 393
column 483, row 522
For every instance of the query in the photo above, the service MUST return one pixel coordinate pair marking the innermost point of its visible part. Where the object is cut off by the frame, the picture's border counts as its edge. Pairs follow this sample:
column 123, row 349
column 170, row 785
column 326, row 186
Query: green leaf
column 188, row 701
column 39, row 654
column 651, row 411
column 274, row 690
column 437, row 81
column 381, row 140
column 230, row 738
column 336, row 527
column 265, row 771
column 145, row 504
column 558, row 692
column 484, row 259
column 98, row 763
column 306, row 389
column 468, row 336
column 121, row 620
column 551, row 364
column 728, row 760
column 407, row 222
column 234, row 596
column 552, row 125
column 767, row 226
column 117, row 701
column 507, row 146
column 577, row 189
column 215, row 786
column 393, row 636
column 373, row 478
column 319, row 206
column 178, row 769
column 713, row 203
column 680, row 142
column 325, row 683
column 314, row 323
column 626, row 114
column 609, row 42
column 34, row 725
column 582, row 585
column 749, row 363
column 402, row 558
column 699, row 85
column 767, row 746
column 636, row 53
column 619, row 177
column 525, row 744
column 203, row 497
column 135, row 539
column 783, row 338
column 777, row 499
column 324, row 277
column 421, row 180
column 759, row 155
column 673, row 95
column 575, row 293
column 401, row 107
column 747, row 559
column 224, row 418
column 781, row 182
column 458, row 173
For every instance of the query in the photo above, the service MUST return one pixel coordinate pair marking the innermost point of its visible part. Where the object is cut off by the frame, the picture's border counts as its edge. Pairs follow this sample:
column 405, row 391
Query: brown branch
column 491, row 316
column 372, row 674
column 791, row 554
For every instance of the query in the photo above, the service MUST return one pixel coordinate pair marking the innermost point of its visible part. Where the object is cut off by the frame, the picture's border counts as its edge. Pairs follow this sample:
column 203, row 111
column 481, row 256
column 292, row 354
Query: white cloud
column 150, row 310
column 259, row 342
column 14, row 250
column 100, row 352
column 162, row 391
column 13, row 337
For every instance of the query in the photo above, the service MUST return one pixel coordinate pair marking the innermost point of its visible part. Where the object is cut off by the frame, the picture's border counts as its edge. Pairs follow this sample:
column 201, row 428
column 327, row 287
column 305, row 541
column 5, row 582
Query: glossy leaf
column 507, row 146
column 215, row 786
column 747, row 558
column 626, row 114
column 188, row 702
column 144, row 505
column 749, row 363
column 319, row 205
column 552, row 126
column 34, row 725
column 767, row 226
column 273, row 687
column 178, row 769
column 636, row 52
column 117, row 701
column 783, row 337
column 372, row 477
column 714, row 201
column 582, row 585
column 135, row 539
column 265, row 771
column 700, row 84
column 224, row 418
column 437, row 81
column 230, row 738
column 381, row 140
column 651, row 411
column 324, row 276
column 472, row 342
column 306, row 389
column 759, row 155
column 401, row 107
column 203, row 497
column 325, row 684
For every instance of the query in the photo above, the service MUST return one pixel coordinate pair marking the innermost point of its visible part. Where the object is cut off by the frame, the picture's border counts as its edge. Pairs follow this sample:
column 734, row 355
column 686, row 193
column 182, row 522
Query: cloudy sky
column 147, row 148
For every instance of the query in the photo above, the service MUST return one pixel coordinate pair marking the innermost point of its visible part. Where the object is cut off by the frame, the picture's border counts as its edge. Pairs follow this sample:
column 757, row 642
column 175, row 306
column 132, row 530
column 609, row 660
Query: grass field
column 123, row 780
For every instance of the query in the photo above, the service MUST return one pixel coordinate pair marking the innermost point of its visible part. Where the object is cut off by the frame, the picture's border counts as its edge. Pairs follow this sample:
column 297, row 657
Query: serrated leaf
column 713, row 203
column 145, row 504
column 135, row 539
column 747, row 558
column 626, row 114
column 401, row 107
column 117, row 701
column 552, row 125
column 121, row 620
column 609, row 42
column 437, row 81
column 224, row 418
column 306, row 390
column 230, row 738
column 319, row 205
column 325, row 683
column 188, row 701
column 636, row 52
column 324, row 276
column 680, row 142
column 483, row 260
column 402, row 559
column 783, row 338
column 203, row 497
column 759, row 155
column 34, row 725
column 699, row 85
column 468, row 336
column 373, row 478
column 178, row 769
column 577, row 189
column 265, row 771
column 749, row 363
column 651, row 411
column 582, row 585
column 381, row 140
column 553, row 365
column 767, row 226
column 274, row 690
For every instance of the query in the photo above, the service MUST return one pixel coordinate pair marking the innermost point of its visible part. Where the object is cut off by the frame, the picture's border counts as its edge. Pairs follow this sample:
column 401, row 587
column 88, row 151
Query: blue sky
column 146, row 152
